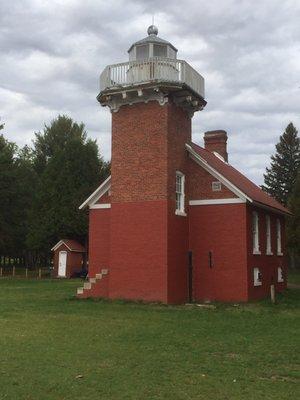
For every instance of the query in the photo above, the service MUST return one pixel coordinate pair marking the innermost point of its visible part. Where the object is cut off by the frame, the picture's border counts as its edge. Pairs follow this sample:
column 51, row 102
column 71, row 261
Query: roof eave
column 98, row 192
column 272, row 209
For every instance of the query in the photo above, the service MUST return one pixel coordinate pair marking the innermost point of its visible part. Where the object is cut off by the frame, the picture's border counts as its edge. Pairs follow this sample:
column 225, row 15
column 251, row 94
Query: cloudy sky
column 52, row 53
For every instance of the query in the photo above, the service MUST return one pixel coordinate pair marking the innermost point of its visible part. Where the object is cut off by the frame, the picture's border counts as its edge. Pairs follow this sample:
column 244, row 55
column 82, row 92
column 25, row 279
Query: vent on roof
column 216, row 186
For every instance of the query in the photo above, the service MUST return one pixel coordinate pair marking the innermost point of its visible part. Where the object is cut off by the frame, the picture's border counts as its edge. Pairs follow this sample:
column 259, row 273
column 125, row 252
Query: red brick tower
column 152, row 98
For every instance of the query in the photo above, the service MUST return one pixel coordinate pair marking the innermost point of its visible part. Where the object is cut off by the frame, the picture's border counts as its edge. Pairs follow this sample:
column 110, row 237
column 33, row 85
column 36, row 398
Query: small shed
column 68, row 258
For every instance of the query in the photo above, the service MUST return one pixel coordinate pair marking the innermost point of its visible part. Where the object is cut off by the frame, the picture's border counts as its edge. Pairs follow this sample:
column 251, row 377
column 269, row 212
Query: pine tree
column 280, row 178
column 293, row 225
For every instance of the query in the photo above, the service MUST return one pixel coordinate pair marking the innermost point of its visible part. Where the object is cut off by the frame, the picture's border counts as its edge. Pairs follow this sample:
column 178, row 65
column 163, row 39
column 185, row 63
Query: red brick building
column 68, row 258
column 175, row 222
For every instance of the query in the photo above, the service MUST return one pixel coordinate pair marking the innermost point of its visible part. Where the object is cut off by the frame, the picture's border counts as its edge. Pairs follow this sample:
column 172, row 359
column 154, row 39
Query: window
column 268, row 235
column 216, row 186
column 280, row 276
column 255, row 233
column 142, row 52
column 179, row 194
column 278, row 232
column 159, row 50
column 257, row 277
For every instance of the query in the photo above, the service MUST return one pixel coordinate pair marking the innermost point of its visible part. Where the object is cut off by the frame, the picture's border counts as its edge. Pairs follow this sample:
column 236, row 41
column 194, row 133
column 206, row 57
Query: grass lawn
column 294, row 276
column 56, row 347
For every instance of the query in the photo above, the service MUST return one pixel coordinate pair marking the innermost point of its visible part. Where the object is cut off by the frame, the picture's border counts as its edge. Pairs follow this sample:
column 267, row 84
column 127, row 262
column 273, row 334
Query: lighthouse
column 152, row 98
column 174, row 221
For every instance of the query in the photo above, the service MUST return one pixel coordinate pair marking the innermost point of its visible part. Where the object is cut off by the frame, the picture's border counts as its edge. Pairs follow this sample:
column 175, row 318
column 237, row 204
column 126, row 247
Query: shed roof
column 71, row 244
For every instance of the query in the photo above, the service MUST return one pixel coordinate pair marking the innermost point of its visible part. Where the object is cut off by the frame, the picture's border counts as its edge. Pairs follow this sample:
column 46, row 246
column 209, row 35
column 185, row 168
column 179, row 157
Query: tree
column 293, row 225
column 8, row 194
column 17, row 187
column 69, row 168
column 280, row 178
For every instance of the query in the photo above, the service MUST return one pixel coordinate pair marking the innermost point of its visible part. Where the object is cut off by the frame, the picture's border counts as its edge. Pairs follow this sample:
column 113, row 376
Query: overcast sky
column 52, row 53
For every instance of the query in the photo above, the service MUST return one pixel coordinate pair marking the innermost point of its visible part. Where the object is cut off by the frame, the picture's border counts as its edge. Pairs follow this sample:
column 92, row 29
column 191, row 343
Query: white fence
column 151, row 70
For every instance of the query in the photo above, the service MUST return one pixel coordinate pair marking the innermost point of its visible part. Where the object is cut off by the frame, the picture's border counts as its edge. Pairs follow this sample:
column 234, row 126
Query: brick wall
column 220, row 229
column 200, row 184
column 268, row 264
column 99, row 240
column 139, row 251
column 149, row 243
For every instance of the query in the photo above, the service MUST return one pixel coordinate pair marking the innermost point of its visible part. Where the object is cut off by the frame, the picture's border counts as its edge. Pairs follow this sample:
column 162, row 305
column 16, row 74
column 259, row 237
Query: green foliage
column 53, row 348
column 281, row 176
column 293, row 226
column 69, row 169
column 17, row 182
column 8, row 193
column 41, row 189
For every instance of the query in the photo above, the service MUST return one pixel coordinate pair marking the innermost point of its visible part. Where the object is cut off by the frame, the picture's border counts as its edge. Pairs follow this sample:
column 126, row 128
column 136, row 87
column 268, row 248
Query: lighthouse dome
column 152, row 46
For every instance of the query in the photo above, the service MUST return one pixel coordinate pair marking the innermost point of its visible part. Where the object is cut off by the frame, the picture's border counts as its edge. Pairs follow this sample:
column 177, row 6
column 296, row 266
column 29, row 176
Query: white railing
column 151, row 70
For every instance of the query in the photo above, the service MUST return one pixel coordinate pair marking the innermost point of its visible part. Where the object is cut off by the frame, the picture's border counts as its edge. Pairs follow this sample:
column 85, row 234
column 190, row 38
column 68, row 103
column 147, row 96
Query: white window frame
column 278, row 237
column 268, row 236
column 280, row 276
column 216, row 186
column 180, row 194
column 255, row 232
column 257, row 277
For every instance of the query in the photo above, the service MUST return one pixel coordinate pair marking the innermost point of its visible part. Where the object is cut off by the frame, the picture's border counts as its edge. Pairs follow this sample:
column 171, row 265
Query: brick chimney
column 216, row 141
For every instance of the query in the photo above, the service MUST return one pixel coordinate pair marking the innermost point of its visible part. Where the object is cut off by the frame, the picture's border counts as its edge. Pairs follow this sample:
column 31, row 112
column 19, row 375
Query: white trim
column 256, row 252
column 181, row 193
column 97, row 206
column 219, row 156
column 95, row 196
column 255, row 233
column 280, row 276
column 181, row 213
column 268, row 235
column 216, row 201
column 257, row 277
column 199, row 160
column 278, row 238
column 58, row 244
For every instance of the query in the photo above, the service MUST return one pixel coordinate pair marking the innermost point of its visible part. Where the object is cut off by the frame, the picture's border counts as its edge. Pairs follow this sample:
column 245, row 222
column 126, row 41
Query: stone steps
column 87, row 286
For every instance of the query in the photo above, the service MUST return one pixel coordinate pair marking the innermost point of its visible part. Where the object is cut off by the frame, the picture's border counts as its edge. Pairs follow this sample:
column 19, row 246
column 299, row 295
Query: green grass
column 294, row 276
column 55, row 347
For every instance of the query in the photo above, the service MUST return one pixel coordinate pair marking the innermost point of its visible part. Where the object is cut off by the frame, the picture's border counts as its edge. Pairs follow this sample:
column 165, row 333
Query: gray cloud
column 52, row 53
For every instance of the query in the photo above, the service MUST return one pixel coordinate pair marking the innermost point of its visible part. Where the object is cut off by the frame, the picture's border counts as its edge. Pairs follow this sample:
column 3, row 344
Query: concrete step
column 98, row 276
column 104, row 271
column 80, row 290
column 87, row 285
column 92, row 280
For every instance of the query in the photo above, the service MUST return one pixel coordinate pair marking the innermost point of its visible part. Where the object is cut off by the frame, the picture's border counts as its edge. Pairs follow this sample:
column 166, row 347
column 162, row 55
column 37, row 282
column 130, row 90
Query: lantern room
column 152, row 46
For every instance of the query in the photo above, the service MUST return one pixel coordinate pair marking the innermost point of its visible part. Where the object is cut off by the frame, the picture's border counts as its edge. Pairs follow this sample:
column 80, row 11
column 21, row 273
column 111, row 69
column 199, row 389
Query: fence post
column 40, row 273
column 26, row 272
column 13, row 271
column 272, row 294
column 1, row 271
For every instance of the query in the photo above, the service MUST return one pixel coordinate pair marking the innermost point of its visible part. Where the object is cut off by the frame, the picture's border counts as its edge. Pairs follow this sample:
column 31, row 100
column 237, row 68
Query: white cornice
column 95, row 196
column 98, row 206
column 204, row 164
column 206, row 202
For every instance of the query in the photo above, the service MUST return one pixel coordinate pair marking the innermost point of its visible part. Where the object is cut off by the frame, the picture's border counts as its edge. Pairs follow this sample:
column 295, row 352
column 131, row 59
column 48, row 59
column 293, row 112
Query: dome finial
column 152, row 30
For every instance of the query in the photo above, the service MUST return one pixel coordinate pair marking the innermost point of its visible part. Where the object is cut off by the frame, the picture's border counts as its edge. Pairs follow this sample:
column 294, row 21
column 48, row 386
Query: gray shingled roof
column 152, row 39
